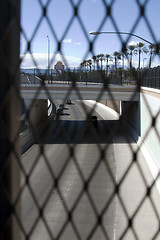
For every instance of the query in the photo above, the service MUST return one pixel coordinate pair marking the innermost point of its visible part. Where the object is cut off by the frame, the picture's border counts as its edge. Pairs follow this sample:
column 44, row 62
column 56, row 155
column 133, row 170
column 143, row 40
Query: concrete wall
column 150, row 129
column 131, row 112
column 116, row 105
column 40, row 114
column 144, row 118
column 38, row 111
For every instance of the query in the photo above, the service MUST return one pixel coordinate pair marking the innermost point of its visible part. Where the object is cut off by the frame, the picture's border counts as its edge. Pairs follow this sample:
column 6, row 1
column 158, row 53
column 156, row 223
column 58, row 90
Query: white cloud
column 133, row 43
column 41, row 60
column 67, row 40
column 23, row 40
column 78, row 43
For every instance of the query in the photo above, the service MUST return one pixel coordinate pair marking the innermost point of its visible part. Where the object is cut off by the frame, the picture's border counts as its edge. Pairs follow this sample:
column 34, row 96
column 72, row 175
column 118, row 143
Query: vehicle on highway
column 68, row 101
column 94, row 121
column 61, row 106
column 59, row 111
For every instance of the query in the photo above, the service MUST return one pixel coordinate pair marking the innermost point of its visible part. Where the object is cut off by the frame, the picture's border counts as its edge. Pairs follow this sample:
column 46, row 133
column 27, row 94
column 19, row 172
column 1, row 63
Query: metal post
column 121, row 33
column 9, row 117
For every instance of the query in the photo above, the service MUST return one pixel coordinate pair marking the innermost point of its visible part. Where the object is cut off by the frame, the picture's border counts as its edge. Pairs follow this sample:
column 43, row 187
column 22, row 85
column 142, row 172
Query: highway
column 80, row 177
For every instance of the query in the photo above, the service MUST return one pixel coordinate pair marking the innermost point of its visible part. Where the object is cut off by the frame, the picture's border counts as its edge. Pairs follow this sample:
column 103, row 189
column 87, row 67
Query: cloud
column 23, row 40
column 67, row 40
column 40, row 60
column 133, row 43
column 78, row 43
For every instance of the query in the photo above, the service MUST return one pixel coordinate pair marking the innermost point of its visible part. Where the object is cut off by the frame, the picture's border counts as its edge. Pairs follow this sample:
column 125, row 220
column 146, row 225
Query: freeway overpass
column 143, row 105
column 80, row 91
column 113, row 96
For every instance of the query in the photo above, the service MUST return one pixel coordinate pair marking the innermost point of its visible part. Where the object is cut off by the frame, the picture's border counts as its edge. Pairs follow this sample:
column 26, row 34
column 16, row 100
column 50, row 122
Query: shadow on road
column 82, row 132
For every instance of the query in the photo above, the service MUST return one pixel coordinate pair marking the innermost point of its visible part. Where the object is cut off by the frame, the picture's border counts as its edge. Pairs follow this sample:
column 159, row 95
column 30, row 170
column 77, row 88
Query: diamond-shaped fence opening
column 79, row 120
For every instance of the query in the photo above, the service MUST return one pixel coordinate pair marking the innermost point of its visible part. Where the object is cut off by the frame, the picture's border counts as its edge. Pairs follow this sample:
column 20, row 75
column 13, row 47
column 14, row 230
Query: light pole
column 120, row 33
column 48, row 56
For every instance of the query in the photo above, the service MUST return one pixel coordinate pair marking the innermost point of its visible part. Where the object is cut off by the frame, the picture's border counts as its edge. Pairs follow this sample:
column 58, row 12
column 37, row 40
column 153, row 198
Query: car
column 61, row 106
column 59, row 111
column 94, row 121
column 68, row 101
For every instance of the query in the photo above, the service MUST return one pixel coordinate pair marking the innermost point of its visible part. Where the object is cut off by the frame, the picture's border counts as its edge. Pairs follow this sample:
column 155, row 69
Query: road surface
column 74, row 183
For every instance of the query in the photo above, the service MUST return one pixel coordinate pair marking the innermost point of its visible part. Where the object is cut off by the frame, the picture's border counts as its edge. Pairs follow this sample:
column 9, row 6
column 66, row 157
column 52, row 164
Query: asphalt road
column 73, row 170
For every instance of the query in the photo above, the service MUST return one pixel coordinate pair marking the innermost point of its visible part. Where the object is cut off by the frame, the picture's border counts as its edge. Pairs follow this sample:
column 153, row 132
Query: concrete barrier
column 144, row 120
column 39, row 123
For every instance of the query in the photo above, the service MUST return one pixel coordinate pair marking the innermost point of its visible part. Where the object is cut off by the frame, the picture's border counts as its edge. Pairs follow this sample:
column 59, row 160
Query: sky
column 60, row 25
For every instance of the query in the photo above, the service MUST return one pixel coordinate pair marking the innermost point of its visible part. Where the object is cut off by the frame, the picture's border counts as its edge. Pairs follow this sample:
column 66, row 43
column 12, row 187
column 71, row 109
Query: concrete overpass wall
column 150, row 121
column 116, row 105
column 131, row 112
column 38, row 111
column 144, row 118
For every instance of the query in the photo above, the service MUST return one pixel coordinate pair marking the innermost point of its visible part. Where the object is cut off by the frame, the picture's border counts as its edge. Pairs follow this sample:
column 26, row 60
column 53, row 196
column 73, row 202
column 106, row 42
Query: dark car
column 68, row 101
column 94, row 121
column 59, row 111
column 61, row 106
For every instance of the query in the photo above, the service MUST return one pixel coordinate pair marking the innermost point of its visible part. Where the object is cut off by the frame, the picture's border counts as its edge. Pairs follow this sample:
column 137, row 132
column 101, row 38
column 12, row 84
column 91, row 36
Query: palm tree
column 124, row 53
column 140, row 46
column 84, row 64
column 131, row 48
column 151, row 51
column 100, row 57
column 97, row 60
column 94, row 60
column 81, row 65
column 117, row 56
column 89, row 64
column 107, row 60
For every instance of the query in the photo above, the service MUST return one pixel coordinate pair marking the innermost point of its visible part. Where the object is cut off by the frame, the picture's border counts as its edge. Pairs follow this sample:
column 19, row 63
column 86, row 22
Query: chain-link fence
column 77, row 168
column 150, row 77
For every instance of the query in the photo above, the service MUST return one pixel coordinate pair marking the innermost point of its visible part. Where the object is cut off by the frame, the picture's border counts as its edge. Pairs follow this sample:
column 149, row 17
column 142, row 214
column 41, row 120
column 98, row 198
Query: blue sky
column 92, row 15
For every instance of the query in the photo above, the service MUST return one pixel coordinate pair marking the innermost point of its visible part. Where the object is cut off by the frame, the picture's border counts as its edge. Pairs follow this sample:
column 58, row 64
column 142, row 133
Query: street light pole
column 120, row 33
column 48, row 56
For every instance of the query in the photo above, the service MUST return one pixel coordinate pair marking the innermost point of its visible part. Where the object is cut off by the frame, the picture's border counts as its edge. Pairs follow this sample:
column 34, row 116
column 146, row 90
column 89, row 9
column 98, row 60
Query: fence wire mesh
column 70, row 167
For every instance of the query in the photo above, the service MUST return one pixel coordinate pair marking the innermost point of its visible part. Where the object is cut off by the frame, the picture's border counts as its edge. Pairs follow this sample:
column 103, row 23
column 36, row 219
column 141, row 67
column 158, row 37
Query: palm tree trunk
column 131, row 61
column 150, row 61
column 139, row 64
column 101, row 65
column 107, row 68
